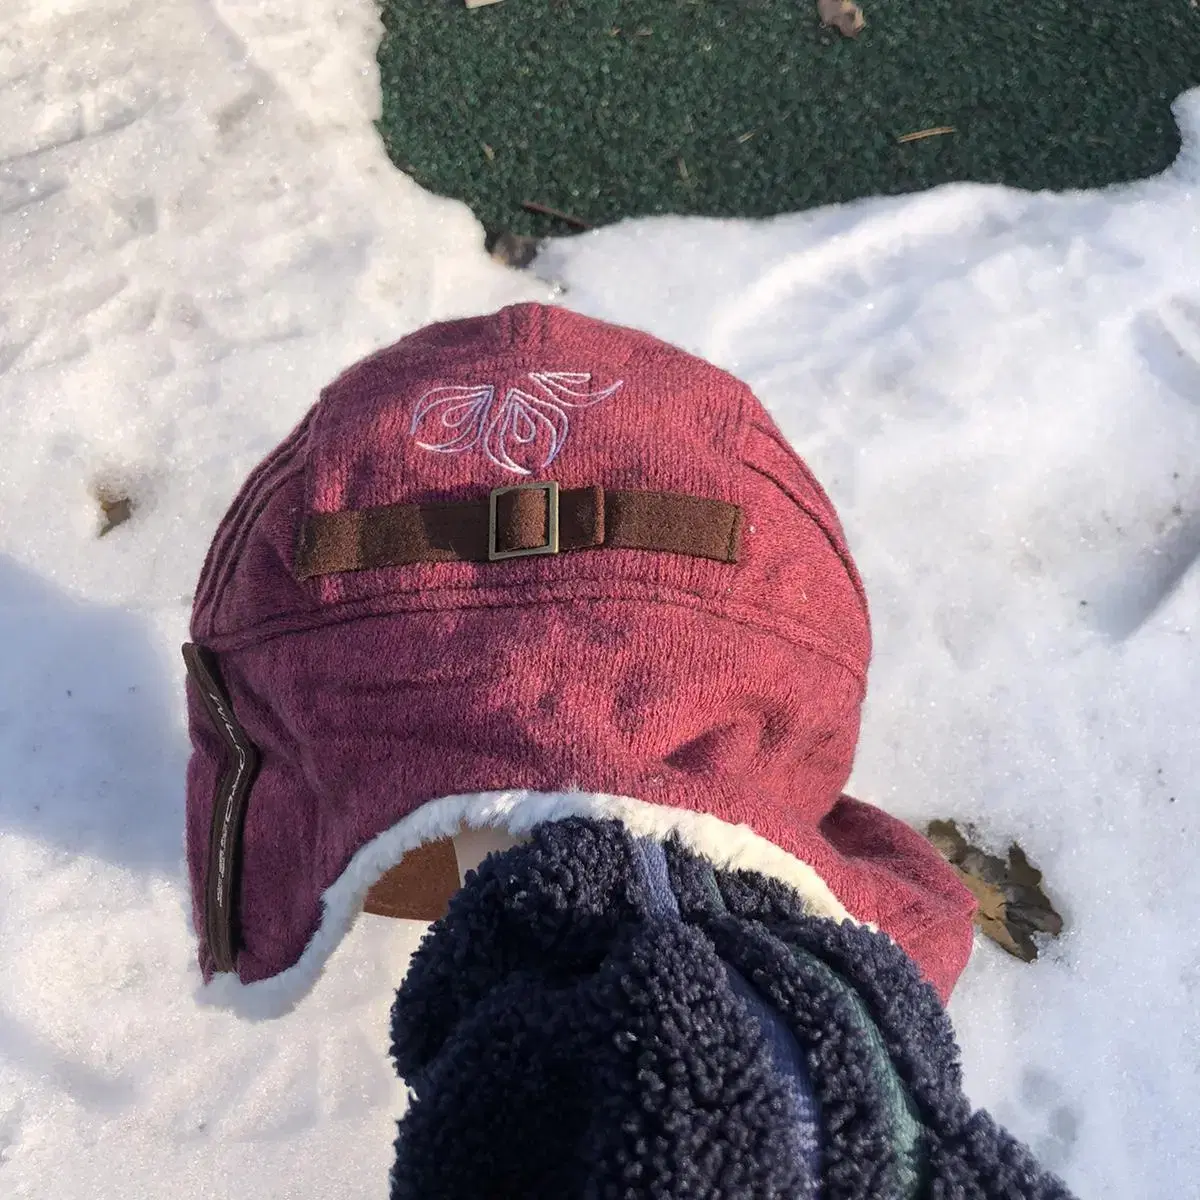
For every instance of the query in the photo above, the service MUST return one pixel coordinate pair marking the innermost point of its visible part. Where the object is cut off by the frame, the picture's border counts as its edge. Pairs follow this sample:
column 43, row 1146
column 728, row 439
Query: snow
column 198, row 228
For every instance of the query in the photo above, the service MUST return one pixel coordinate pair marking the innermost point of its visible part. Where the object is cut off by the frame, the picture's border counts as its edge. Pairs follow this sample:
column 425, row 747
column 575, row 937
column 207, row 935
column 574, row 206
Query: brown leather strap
column 513, row 522
column 222, row 878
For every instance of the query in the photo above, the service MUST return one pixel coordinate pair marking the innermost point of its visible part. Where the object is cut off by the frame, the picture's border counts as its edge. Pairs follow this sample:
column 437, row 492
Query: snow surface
column 198, row 228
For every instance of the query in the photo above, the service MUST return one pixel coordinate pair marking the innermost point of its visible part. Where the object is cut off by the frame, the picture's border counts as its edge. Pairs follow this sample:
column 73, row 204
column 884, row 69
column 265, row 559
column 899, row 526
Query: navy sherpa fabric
column 598, row 1016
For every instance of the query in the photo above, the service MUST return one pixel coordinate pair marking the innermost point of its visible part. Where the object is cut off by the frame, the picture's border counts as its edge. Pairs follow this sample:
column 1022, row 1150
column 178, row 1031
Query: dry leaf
column 947, row 840
column 843, row 15
column 480, row 3
column 1023, row 871
column 513, row 249
column 993, row 918
column 1026, row 900
column 1012, row 904
column 115, row 510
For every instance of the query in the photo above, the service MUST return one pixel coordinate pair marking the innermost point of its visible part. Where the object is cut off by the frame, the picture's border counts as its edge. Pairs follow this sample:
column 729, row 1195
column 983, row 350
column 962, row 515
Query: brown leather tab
column 396, row 535
column 420, row 886
column 673, row 523
column 223, row 876
column 522, row 520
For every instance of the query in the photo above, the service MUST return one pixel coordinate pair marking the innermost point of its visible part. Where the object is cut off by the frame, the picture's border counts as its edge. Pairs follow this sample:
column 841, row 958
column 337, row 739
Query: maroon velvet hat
column 510, row 569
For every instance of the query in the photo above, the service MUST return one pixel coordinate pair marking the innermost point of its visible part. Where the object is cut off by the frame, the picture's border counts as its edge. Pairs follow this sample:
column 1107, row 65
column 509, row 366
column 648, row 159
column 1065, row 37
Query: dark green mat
column 611, row 108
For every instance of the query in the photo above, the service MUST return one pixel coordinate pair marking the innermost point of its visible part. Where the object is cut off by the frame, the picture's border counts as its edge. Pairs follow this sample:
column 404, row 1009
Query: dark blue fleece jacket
column 605, row 1016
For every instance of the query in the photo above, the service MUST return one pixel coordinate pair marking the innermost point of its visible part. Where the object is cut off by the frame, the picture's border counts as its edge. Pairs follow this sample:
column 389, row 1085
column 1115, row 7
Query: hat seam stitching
column 219, row 575
column 235, row 641
column 233, row 552
column 817, row 519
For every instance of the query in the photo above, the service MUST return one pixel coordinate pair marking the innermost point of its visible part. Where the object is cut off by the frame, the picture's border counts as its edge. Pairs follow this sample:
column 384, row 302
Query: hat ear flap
column 221, row 868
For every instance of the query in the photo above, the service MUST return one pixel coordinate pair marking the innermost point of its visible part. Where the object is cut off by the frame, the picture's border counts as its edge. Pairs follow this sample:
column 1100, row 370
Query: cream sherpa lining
column 725, row 845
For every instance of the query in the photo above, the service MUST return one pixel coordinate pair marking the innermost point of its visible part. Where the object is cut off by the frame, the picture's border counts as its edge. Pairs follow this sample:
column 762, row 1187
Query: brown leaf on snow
column 992, row 918
column 843, row 15
column 1012, row 904
column 1026, row 900
column 115, row 509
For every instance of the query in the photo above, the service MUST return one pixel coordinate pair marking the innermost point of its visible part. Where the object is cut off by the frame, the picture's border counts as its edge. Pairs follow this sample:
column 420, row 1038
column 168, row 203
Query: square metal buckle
column 550, row 546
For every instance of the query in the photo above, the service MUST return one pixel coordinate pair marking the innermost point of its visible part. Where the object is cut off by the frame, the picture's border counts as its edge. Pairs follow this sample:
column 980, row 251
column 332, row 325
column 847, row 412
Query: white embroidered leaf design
column 522, row 433
column 570, row 387
column 531, row 429
column 463, row 412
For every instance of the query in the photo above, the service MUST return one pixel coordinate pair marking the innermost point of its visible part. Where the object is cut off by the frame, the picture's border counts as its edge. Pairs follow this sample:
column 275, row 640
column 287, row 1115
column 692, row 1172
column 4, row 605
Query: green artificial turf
column 612, row 108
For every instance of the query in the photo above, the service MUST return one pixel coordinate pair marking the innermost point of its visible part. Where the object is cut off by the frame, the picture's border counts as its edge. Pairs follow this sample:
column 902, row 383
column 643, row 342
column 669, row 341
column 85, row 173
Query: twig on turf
column 546, row 211
column 921, row 134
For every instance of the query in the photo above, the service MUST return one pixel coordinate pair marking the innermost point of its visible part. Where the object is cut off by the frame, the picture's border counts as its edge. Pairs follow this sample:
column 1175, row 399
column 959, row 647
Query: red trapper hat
column 515, row 568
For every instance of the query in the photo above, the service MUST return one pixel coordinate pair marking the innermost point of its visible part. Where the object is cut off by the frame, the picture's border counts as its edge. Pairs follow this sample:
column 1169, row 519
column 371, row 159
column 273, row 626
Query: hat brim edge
column 727, row 846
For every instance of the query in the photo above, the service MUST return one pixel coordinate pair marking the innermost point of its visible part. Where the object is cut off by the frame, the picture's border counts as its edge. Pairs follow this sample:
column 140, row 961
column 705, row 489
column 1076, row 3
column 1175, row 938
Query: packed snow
column 199, row 227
